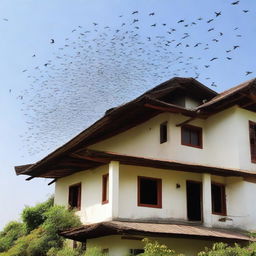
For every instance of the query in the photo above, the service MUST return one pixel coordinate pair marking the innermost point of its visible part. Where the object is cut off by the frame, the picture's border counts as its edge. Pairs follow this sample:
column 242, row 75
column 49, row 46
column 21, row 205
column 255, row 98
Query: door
column 194, row 200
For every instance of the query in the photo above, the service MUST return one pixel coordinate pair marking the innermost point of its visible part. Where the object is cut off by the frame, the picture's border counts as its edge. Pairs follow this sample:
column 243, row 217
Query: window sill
column 150, row 205
column 104, row 202
column 219, row 213
column 193, row 146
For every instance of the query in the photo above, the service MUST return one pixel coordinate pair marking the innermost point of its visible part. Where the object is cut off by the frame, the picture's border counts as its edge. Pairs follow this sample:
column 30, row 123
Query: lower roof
column 153, row 229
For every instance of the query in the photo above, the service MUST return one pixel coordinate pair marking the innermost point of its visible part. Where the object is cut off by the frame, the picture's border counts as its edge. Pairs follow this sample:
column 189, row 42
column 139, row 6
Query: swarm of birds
column 97, row 57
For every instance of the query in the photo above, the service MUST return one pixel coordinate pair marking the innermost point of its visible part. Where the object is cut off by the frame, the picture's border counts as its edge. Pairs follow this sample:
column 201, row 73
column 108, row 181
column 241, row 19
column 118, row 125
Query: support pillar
column 114, row 188
column 207, row 199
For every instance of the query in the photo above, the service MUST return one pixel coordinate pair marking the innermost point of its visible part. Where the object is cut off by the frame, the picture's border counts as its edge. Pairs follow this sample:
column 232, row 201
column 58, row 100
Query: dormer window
column 74, row 196
column 163, row 132
column 191, row 136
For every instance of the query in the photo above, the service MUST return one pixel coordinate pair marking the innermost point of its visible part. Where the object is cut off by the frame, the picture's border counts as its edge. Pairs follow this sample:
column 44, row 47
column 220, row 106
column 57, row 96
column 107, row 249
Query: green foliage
column 94, row 252
column 222, row 249
column 40, row 240
column 63, row 252
column 33, row 217
column 153, row 248
column 10, row 234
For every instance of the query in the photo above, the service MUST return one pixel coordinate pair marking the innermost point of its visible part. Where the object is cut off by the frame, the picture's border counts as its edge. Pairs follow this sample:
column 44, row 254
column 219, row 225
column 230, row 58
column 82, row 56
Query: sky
column 64, row 63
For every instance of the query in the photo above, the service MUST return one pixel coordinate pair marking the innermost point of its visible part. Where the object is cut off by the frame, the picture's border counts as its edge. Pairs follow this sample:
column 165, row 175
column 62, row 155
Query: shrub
column 222, row 249
column 33, row 217
column 10, row 234
column 153, row 248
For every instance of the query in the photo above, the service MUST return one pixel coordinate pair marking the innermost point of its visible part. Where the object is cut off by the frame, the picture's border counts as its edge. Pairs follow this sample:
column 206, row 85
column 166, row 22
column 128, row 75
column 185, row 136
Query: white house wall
column 121, row 247
column 239, row 197
column 222, row 146
column 92, row 209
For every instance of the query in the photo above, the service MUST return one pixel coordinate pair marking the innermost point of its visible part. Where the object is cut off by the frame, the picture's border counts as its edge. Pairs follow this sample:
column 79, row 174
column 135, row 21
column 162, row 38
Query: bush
column 222, row 249
column 33, row 217
column 10, row 234
column 41, row 239
column 153, row 248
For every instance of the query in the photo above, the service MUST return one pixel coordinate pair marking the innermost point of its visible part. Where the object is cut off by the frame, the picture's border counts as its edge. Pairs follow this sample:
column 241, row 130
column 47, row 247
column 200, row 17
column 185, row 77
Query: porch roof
column 153, row 229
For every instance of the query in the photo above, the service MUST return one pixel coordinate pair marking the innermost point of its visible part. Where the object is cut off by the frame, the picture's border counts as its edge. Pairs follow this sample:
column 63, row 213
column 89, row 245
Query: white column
column 207, row 200
column 114, row 187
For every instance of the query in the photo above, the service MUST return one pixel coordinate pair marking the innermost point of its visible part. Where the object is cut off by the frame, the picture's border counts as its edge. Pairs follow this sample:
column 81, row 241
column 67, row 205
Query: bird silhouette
column 209, row 21
column 248, row 73
column 215, row 58
column 135, row 12
column 52, row 41
column 217, row 14
column 235, row 3
column 180, row 21
column 152, row 14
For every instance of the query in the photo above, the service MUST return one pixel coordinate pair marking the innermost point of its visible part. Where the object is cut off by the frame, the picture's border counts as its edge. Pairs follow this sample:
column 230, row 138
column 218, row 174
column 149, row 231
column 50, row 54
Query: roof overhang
column 154, row 230
column 85, row 159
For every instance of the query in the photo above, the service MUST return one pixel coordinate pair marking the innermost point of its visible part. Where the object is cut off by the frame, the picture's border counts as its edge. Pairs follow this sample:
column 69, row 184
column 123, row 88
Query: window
column 149, row 192
column 74, row 197
column 191, row 136
column 252, row 134
column 136, row 251
column 218, row 199
column 163, row 132
column 105, row 189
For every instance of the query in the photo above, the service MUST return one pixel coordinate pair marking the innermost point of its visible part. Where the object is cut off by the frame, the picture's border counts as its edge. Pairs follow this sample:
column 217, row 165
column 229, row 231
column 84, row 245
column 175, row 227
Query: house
column 177, row 164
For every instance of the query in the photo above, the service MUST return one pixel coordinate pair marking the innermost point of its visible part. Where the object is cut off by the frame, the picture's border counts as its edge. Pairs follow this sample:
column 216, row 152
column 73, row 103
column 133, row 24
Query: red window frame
column 159, row 192
column 192, row 128
column 222, row 199
column 105, row 181
column 70, row 192
column 252, row 140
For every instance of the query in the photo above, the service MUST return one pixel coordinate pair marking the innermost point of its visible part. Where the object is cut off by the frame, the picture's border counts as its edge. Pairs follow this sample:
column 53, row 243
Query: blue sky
column 69, row 84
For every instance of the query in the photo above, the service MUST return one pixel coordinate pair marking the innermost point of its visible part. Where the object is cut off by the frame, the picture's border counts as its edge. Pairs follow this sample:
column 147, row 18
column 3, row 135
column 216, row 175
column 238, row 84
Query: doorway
column 194, row 200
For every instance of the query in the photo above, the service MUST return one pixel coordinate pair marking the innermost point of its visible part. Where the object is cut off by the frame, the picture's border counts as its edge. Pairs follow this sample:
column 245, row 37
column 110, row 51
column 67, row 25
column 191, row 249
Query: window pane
column 148, row 191
column 194, row 138
column 218, row 199
column 74, row 196
column 185, row 136
column 163, row 132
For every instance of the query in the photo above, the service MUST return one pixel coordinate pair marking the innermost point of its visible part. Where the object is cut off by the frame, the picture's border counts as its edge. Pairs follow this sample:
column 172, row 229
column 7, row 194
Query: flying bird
column 236, row 46
column 180, row 21
column 208, row 21
column 135, row 12
column 152, row 14
column 229, row 58
column 215, row 58
column 211, row 29
column 245, row 11
column 248, row 73
column 52, row 41
column 235, row 3
column 217, row 14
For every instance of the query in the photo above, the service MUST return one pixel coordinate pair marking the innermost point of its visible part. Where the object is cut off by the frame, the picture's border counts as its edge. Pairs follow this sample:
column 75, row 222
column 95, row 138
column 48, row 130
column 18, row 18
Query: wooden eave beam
column 90, row 158
column 185, row 122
